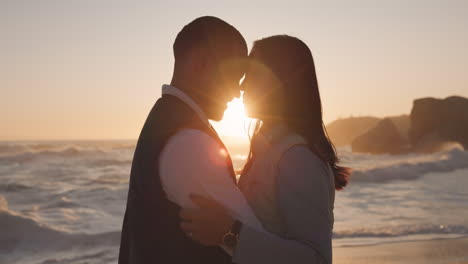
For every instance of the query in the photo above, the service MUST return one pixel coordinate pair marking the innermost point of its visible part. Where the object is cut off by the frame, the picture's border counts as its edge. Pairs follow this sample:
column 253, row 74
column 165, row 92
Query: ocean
column 63, row 201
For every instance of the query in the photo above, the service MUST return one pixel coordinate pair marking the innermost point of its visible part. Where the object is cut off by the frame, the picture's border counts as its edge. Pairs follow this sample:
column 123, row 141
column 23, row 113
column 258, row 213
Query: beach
column 447, row 251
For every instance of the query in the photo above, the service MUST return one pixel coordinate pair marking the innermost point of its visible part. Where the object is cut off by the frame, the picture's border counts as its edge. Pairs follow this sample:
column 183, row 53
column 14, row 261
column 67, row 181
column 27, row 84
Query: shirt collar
column 171, row 90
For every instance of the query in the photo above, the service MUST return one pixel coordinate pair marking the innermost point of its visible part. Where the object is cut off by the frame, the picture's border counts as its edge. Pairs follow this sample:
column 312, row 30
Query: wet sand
column 446, row 251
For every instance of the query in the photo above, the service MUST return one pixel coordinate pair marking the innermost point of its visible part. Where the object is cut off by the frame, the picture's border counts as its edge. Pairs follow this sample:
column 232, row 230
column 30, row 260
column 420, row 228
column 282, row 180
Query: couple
column 184, row 202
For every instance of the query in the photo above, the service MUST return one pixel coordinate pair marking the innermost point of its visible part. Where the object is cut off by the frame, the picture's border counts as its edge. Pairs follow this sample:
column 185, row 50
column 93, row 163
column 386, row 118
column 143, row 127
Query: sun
column 235, row 122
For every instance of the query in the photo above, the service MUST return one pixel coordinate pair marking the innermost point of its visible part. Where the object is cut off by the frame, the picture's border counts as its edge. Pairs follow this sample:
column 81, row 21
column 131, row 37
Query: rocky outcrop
column 436, row 121
column 402, row 123
column 433, row 125
column 343, row 131
column 385, row 137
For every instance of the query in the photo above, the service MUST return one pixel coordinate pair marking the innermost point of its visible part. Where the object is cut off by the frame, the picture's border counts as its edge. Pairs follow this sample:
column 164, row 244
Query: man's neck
column 189, row 88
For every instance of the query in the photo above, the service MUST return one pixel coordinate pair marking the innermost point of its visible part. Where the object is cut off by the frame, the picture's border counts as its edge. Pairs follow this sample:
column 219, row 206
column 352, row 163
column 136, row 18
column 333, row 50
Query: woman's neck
column 273, row 129
column 268, row 125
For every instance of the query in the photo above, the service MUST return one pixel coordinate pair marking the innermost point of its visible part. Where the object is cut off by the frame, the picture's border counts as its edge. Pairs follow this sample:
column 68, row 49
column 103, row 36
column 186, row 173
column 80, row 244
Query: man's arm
column 193, row 163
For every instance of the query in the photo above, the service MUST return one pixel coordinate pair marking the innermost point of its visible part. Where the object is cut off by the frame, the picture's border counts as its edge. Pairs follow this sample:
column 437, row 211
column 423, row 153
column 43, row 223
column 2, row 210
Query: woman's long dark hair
column 298, row 97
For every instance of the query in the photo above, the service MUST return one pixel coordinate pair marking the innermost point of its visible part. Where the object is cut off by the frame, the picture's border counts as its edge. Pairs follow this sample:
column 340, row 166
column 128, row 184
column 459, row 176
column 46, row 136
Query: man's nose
column 242, row 86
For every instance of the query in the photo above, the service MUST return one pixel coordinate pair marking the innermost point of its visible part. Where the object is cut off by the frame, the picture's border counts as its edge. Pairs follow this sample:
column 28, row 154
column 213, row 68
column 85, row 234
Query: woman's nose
column 245, row 97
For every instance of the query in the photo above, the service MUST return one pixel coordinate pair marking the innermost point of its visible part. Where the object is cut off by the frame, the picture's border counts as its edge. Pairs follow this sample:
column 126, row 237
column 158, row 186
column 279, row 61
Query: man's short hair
column 219, row 37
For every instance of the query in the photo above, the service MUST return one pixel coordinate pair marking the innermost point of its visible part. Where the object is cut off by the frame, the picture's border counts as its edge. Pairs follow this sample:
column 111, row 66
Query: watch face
column 230, row 240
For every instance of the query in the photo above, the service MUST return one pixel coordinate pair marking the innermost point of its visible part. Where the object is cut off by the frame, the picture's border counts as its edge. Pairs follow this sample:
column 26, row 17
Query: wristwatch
column 232, row 236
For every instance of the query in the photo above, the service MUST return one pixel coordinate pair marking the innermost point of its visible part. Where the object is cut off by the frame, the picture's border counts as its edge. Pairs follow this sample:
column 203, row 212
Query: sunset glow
column 235, row 122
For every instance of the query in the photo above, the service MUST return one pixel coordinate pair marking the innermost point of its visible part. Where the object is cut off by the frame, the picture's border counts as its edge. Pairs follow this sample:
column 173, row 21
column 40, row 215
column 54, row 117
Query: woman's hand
column 208, row 224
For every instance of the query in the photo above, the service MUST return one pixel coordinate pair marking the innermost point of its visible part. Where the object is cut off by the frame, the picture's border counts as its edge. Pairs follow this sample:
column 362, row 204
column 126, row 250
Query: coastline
column 447, row 251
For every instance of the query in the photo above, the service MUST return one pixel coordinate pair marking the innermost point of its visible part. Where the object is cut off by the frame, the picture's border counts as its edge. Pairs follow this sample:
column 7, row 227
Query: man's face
column 224, row 86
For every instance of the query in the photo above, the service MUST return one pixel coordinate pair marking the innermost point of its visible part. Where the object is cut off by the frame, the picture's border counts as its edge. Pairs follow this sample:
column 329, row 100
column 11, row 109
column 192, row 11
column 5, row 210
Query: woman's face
column 258, row 85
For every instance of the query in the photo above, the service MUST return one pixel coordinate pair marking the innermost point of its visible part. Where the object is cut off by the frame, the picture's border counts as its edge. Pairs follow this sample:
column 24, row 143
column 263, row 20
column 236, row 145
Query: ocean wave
column 14, row 187
column 399, row 231
column 116, row 178
column 19, row 232
column 62, row 202
column 12, row 148
column 62, row 153
column 100, row 256
column 110, row 162
column 23, row 233
column 410, row 170
column 41, row 145
column 91, row 158
column 3, row 204
column 23, row 151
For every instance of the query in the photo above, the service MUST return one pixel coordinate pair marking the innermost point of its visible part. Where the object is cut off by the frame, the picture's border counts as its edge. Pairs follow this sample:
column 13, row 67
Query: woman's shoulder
column 293, row 147
column 302, row 154
column 283, row 144
column 302, row 171
column 300, row 161
column 291, row 150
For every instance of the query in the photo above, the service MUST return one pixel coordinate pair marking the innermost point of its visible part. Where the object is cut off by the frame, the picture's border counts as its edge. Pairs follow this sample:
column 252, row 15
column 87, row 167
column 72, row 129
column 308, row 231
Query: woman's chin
column 253, row 115
column 250, row 113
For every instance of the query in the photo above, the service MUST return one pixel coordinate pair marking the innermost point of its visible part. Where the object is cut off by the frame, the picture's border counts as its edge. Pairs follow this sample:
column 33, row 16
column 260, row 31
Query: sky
column 92, row 69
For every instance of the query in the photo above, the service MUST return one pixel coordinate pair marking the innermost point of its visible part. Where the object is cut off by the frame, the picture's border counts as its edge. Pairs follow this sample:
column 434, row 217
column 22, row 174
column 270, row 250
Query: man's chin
column 217, row 118
column 217, row 115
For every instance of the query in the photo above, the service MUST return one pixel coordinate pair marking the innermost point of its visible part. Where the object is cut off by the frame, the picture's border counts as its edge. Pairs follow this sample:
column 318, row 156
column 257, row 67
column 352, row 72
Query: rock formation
column 435, row 121
column 385, row 137
column 343, row 131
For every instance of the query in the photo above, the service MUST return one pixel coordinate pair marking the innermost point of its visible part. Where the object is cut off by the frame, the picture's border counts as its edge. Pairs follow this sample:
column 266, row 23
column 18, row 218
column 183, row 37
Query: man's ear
column 200, row 60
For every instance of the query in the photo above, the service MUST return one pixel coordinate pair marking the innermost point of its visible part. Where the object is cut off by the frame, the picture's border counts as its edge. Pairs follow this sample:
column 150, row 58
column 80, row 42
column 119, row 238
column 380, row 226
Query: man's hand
column 208, row 224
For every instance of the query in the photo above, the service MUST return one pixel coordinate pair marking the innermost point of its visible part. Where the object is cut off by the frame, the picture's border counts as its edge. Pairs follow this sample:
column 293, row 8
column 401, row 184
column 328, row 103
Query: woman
column 291, row 173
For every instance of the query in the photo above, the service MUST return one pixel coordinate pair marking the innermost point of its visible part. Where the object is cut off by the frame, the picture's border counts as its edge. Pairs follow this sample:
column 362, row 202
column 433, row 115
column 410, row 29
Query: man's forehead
column 237, row 63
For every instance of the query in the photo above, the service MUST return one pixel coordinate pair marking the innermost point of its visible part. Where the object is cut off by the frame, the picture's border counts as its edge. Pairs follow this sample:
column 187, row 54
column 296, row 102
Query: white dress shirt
column 194, row 162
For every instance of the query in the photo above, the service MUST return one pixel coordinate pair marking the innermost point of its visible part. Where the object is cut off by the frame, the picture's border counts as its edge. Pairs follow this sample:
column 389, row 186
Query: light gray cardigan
column 292, row 193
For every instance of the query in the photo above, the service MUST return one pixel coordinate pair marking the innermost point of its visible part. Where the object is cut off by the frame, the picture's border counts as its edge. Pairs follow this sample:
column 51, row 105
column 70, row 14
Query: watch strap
column 236, row 228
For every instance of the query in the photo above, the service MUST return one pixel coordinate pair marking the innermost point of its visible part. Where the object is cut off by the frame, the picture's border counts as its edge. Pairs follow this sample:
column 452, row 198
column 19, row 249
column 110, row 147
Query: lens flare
column 235, row 121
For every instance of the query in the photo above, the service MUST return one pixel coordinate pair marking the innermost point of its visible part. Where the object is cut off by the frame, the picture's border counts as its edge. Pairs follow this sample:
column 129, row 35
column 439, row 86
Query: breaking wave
column 409, row 170
column 24, row 233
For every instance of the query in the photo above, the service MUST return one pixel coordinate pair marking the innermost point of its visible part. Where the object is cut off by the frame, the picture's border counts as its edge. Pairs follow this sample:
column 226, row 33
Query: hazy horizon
column 82, row 70
column 214, row 123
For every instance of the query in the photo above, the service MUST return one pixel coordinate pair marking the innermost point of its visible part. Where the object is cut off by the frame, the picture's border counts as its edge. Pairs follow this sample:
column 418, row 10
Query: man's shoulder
column 170, row 109
column 192, row 138
column 169, row 115
column 193, row 150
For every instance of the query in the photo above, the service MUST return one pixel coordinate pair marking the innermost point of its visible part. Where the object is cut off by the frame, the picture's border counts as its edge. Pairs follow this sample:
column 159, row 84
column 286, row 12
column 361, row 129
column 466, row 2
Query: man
column 178, row 152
